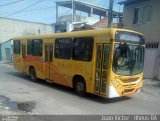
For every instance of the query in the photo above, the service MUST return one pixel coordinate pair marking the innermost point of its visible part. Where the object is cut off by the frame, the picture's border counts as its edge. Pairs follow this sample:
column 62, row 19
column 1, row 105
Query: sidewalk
column 151, row 87
column 6, row 63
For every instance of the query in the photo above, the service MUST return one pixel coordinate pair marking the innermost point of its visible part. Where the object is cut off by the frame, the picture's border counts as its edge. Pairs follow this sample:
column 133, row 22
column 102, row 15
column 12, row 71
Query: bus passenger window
column 63, row 48
column 29, row 47
column 16, row 47
column 34, row 47
column 82, row 48
column 37, row 47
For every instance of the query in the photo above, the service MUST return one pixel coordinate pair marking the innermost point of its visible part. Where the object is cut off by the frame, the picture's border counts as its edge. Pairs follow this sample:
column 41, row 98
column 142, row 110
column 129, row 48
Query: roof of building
column 129, row 2
column 84, row 27
column 103, row 23
column 5, row 41
column 86, row 8
column 23, row 21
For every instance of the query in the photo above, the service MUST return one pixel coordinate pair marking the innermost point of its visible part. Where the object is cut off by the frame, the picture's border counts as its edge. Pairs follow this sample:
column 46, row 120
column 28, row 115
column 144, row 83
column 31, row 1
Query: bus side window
column 34, row 47
column 29, row 47
column 37, row 47
column 16, row 46
column 63, row 48
column 82, row 48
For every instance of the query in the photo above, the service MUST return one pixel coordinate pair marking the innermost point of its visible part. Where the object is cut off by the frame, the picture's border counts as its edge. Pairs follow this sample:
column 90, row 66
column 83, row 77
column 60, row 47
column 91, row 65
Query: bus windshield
column 128, row 59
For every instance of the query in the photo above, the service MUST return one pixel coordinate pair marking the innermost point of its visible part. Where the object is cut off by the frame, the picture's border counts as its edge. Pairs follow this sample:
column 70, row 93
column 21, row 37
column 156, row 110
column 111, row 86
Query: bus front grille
column 128, row 80
column 128, row 90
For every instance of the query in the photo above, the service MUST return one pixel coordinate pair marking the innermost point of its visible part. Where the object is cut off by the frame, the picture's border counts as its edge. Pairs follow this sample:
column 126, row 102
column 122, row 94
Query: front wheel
column 80, row 87
column 33, row 74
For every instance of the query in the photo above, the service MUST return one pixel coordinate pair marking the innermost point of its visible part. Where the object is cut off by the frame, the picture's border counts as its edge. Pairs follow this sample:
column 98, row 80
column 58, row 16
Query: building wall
column 67, row 21
column 0, row 53
column 151, row 32
column 78, row 18
column 10, row 28
column 5, row 47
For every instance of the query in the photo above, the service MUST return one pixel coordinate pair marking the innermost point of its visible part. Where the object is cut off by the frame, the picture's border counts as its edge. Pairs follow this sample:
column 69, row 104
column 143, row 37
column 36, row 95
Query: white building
column 10, row 28
column 90, row 15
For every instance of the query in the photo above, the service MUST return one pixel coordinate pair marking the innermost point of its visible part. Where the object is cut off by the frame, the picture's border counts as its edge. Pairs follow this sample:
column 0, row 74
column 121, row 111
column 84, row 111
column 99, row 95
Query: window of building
column 82, row 48
column 60, row 28
column 153, row 45
column 142, row 14
column 138, row 15
column 146, row 13
column 34, row 47
column 16, row 46
column 63, row 48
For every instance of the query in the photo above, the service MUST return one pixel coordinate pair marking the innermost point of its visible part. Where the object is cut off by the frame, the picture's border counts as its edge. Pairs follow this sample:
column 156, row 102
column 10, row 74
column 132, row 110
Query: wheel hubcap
column 80, row 86
column 32, row 74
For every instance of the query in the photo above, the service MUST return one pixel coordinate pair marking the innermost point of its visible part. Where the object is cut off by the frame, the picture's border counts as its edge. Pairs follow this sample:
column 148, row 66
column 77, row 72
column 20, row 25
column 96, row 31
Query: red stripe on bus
column 33, row 58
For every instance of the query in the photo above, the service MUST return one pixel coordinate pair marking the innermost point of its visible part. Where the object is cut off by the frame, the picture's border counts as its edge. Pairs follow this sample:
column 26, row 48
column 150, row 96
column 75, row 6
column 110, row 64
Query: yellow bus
column 104, row 62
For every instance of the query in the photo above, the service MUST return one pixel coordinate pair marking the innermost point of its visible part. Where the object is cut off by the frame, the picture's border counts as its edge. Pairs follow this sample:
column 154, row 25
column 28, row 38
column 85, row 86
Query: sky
column 43, row 11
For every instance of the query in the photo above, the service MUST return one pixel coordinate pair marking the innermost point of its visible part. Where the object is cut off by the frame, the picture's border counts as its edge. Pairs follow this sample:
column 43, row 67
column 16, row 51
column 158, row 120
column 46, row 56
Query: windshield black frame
column 128, row 59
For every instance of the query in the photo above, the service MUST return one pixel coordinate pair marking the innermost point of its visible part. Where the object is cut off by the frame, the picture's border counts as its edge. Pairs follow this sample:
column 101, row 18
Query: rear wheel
column 33, row 74
column 80, row 86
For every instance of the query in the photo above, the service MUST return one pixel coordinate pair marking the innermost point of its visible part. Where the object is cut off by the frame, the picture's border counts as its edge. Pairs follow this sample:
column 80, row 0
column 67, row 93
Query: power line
column 38, row 9
column 34, row 10
column 23, row 9
column 11, row 3
column 28, row 13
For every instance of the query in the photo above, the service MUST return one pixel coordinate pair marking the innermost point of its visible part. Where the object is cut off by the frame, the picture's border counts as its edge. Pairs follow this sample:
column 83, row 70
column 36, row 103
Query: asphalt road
column 18, row 93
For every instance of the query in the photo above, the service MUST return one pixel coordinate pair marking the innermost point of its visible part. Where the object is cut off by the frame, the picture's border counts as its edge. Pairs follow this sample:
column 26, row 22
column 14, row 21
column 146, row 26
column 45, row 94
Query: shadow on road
column 69, row 90
column 105, row 100
column 41, row 82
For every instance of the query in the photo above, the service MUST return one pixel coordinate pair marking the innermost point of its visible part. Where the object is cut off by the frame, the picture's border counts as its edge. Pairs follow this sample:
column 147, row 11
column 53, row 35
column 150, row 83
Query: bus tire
column 80, row 86
column 32, row 73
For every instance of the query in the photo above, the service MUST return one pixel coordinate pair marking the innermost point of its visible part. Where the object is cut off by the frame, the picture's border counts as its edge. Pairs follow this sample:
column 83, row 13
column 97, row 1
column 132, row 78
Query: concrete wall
column 78, row 18
column 150, row 30
column 0, row 53
column 7, row 45
column 10, row 28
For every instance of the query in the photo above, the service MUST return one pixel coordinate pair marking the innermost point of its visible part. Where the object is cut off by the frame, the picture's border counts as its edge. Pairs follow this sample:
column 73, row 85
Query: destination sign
column 123, row 36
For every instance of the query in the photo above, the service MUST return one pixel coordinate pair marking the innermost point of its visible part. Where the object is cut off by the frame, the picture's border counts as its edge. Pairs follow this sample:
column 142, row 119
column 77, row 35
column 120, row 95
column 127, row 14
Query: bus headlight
column 116, row 84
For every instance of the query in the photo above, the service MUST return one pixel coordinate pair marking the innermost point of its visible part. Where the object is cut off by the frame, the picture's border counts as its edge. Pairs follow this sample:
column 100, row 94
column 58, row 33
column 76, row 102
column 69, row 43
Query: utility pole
column 110, row 13
column 73, row 10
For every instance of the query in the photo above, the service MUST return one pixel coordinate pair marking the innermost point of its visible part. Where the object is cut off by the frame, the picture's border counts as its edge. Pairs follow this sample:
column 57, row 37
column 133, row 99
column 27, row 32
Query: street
column 18, row 94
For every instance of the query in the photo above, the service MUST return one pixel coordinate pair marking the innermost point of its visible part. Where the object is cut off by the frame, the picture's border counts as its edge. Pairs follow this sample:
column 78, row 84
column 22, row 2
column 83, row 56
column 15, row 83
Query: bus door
column 102, row 62
column 48, row 60
column 23, row 56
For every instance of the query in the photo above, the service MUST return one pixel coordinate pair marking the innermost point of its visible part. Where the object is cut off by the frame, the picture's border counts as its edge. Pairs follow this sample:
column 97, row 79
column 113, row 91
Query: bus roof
column 96, row 32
